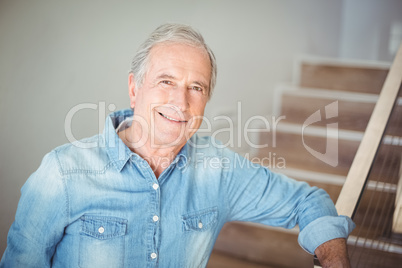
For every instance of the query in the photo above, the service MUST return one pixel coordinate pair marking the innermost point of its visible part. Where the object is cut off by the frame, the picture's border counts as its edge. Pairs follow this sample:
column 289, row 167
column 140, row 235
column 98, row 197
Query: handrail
column 362, row 163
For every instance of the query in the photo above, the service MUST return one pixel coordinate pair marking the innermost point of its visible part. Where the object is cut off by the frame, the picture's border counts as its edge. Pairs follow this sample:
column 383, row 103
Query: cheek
column 198, row 115
column 197, row 118
column 150, row 99
column 198, row 106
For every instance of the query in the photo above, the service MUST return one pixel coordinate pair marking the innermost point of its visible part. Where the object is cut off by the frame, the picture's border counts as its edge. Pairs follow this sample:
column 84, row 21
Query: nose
column 179, row 98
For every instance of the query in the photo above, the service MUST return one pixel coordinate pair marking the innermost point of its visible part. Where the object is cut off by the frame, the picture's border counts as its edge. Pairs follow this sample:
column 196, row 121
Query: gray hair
column 176, row 33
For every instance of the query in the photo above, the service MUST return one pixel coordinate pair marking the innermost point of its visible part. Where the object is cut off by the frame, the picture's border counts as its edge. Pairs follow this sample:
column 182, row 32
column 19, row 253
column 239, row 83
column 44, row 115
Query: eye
column 196, row 88
column 166, row 82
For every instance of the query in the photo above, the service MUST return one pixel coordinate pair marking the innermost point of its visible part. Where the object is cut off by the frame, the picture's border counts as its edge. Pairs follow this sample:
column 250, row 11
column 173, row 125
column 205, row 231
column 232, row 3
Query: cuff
column 324, row 229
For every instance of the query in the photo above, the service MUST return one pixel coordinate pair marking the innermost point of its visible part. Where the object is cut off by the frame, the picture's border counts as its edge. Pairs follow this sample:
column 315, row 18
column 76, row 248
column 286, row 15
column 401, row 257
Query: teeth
column 170, row 118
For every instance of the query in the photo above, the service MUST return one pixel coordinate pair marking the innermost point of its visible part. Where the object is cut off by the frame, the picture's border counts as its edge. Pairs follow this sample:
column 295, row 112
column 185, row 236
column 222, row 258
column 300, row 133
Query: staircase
column 327, row 109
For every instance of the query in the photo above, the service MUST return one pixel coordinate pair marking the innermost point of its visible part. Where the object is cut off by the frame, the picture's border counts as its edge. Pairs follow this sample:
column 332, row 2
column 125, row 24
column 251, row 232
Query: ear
column 132, row 89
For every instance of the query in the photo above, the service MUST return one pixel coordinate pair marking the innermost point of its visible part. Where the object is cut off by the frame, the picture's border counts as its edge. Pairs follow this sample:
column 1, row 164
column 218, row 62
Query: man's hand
column 333, row 253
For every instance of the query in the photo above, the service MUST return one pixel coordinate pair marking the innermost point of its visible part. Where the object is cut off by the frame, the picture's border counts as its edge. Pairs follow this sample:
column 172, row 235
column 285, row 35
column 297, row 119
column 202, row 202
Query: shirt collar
column 117, row 151
column 182, row 155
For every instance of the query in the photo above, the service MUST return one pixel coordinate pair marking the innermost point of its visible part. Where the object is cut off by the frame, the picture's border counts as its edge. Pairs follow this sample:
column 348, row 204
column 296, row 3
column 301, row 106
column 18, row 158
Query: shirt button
column 155, row 186
column 101, row 230
column 153, row 255
column 155, row 218
column 200, row 225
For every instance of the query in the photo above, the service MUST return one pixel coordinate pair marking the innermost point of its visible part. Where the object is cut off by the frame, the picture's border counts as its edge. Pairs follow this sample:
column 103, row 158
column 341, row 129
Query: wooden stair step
column 263, row 245
column 378, row 256
column 333, row 184
column 287, row 146
column 343, row 75
column 223, row 260
column 353, row 109
column 253, row 245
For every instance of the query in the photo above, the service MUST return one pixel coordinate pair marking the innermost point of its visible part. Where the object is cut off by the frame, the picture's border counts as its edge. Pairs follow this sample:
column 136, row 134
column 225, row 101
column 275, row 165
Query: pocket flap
column 103, row 227
column 200, row 220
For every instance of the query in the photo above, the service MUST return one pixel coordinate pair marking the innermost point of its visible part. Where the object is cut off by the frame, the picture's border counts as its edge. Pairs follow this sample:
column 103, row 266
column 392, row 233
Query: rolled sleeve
column 324, row 229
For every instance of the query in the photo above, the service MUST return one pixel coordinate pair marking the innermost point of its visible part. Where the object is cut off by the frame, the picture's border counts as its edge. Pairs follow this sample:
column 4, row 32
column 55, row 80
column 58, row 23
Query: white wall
column 371, row 29
column 57, row 54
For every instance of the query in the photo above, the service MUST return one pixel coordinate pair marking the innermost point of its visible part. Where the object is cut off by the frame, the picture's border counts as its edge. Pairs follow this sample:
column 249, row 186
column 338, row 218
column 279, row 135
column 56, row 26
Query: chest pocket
column 102, row 241
column 200, row 221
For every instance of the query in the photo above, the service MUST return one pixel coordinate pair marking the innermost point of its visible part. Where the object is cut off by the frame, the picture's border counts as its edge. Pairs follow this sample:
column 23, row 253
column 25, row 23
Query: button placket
column 155, row 220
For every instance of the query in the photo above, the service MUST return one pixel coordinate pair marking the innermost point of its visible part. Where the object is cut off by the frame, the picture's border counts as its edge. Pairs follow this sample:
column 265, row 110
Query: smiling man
column 153, row 193
column 170, row 100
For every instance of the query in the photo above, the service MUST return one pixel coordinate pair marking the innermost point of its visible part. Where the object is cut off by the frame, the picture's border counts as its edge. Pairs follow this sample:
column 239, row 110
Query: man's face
column 173, row 95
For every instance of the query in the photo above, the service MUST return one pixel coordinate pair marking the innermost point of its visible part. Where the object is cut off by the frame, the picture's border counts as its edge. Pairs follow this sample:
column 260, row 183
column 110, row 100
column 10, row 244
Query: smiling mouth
column 172, row 119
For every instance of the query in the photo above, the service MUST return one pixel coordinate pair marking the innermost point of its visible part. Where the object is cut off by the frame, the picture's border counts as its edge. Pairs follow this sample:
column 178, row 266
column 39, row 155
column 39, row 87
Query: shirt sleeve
column 40, row 219
column 256, row 194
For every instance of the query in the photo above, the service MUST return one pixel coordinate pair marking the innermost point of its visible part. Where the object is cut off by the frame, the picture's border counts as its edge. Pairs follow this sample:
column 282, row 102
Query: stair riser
column 351, row 115
column 262, row 245
column 290, row 150
column 373, row 258
column 346, row 78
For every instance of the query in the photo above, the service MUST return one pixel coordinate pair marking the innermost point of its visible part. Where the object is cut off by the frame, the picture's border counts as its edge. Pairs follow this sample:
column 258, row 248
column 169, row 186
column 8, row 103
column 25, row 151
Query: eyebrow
column 164, row 75
column 169, row 76
column 201, row 84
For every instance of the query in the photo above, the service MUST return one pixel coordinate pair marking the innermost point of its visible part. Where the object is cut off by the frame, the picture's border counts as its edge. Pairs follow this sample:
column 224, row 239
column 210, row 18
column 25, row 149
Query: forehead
column 181, row 58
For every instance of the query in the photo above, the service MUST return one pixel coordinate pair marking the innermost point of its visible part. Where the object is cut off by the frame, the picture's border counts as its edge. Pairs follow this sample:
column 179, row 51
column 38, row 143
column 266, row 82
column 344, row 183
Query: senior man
column 147, row 195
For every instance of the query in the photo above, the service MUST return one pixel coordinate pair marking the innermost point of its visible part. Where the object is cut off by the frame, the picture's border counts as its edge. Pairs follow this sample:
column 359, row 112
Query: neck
column 158, row 157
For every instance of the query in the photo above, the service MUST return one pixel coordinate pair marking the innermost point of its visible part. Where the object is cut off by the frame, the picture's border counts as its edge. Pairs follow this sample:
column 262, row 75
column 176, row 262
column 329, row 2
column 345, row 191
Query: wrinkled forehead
column 184, row 51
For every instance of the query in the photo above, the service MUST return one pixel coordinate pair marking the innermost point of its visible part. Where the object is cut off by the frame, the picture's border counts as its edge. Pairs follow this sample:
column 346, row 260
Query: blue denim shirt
column 94, row 203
